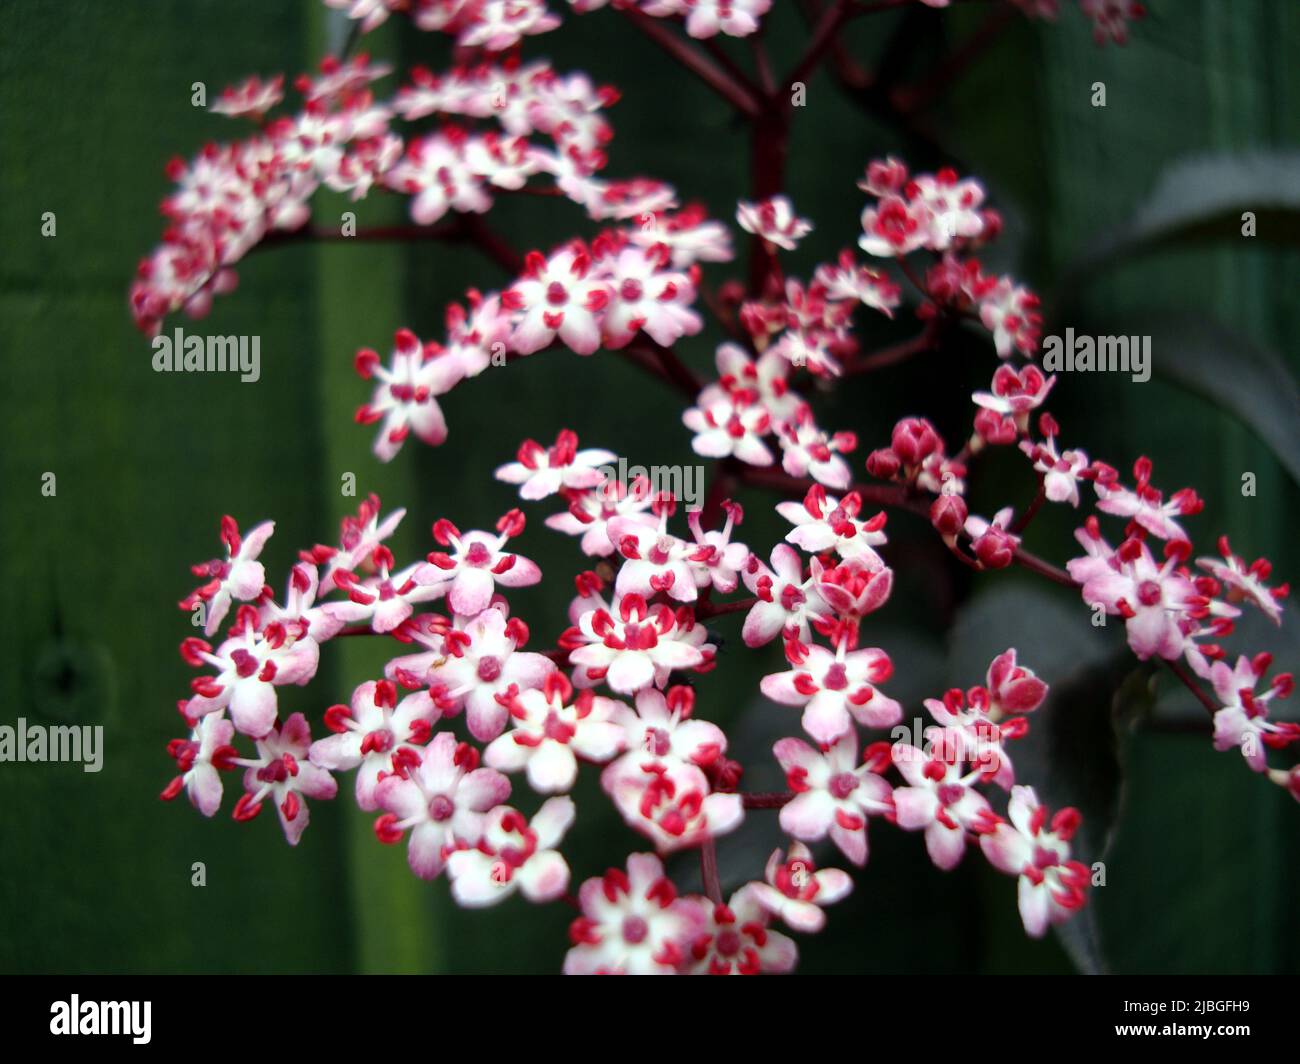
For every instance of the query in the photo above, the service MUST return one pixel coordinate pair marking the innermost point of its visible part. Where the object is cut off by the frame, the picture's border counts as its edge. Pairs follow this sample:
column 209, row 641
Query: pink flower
column 823, row 522
column 833, row 794
column 991, row 541
column 556, row 298
column 1247, row 582
column 763, row 381
column 542, row 471
column 282, row 773
column 895, row 228
column 846, row 279
column 386, row 600
column 372, row 732
column 646, row 296
column 1242, row 722
column 405, row 399
column 1051, row 886
column 1061, row 473
column 835, row 688
column 969, row 732
column 436, row 174
column 441, row 801
column 670, row 801
column 482, row 669
column 237, row 578
column 1016, row 393
column 1010, row 312
column 730, row 424
column 358, row 538
column 787, row 602
column 300, row 613
column 500, row 24
column 514, row 854
column 632, row 645
column 1013, row 688
column 689, row 236
column 371, row 13
column 663, row 730
column 200, row 759
column 476, row 564
column 774, row 221
column 1161, row 606
column 706, row 18
column 633, row 923
column 796, row 890
column 855, row 587
column 251, row 98
column 715, row 560
column 590, row 512
column 1145, row 505
column 808, row 451
column 940, row 798
column 654, row 559
column 737, row 941
column 250, row 665
column 953, row 204
column 551, row 729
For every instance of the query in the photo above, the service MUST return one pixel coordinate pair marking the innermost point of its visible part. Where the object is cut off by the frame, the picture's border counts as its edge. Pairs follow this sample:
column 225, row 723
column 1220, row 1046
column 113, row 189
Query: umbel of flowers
column 468, row 747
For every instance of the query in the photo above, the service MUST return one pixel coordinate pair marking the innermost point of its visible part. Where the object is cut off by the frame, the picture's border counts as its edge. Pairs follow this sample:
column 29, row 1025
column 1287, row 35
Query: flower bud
column 914, row 439
column 948, row 514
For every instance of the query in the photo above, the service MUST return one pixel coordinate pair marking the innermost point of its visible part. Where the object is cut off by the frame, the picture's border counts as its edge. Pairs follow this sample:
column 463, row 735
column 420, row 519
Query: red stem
column 709, row 871
column 696, row 62
column 769, row 800
column 1179, row 670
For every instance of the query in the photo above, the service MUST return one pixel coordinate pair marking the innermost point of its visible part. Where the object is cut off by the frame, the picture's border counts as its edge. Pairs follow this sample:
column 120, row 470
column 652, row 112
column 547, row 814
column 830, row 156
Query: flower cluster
column 464, row 719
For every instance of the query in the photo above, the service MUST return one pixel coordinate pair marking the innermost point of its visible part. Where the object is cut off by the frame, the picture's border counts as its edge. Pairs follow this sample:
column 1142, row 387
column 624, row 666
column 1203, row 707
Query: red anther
column 386, row 694
column 366, row 362
column 406, row 341
column 681, row 700
column 556, row 687
column 512, row 523
column 444, row 532
column 386, row 829
column 878, row 756
column 172, row 789
column 191, row 648
column 337, row 718
column 517, row 631
column 246, row 808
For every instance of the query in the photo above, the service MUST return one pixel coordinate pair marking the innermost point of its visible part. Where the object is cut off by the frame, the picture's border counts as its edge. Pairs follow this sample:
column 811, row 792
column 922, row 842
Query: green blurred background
column 1201, row 858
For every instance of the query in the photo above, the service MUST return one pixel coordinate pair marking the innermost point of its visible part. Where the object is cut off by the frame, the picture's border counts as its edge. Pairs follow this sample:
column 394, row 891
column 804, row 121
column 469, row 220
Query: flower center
column 836, row 678
column 441, row 808
column 843, row 785
column 1149, row 593
column 245, row 663
column 477, row 554
column 556, row 295
column 488, row 669
column 635, row 930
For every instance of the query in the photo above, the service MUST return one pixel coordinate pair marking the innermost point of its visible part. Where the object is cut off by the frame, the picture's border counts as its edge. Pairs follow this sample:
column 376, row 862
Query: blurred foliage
column 1202, row 860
